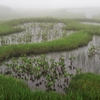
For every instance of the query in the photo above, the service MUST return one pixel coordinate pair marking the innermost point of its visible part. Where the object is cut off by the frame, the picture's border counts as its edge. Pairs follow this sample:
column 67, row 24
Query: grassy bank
column 82, row 87
column 8, row 26
column 88, row 20
column 79, row 26
column 76, row 26
column 13, row 89
column 71, row 24
column 27, row 20
column 6, row 29
column 85, row 87
column 70, row 42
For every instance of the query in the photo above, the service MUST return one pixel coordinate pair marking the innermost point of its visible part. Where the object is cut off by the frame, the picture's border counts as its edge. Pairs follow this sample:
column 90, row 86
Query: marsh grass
column 70, row 42
column 93, row 31
column 85, row 86
column 71, row 24
column 27, row 20
column 6, row 29
column 8, row 26
column 90, row 29
column 79, row 26
column 87, row 20
column 13, row 89
column 39, row 95
column 82, row 87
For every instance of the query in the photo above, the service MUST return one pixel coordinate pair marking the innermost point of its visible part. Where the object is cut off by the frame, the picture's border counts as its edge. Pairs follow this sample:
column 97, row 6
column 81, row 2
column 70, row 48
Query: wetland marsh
column 47, row 53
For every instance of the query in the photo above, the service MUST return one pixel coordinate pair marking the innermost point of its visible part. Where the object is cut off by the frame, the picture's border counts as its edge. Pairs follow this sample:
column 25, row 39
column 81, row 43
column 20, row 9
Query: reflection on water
column 82, row 60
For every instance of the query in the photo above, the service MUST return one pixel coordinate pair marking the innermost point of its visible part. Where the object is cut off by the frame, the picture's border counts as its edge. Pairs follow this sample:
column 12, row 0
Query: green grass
column 14, row 89
column 8, row 26
column 82, row 87
column 70, row 42
column 93, row 31
column 27, row 20
column 87, row 20
column 85, row 87
column 39, row 95
column 79, row 26
column 6, row 29
column 71, row 24
column 90, row 29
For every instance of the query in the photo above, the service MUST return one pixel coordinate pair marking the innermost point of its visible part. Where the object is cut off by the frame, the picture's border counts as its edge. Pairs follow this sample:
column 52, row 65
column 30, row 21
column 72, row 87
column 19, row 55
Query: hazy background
column 49, row 8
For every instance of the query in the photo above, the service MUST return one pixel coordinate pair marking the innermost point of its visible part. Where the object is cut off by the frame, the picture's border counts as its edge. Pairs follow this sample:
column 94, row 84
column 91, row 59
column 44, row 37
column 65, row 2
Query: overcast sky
column 49, row 3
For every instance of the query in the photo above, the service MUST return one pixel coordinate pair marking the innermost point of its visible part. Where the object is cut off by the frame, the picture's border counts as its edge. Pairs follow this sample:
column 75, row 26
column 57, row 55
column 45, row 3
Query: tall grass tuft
column 85, row 86
column 13, row 89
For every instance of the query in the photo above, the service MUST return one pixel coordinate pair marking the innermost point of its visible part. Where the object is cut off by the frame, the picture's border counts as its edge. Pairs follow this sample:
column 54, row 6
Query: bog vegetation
column 82, row 86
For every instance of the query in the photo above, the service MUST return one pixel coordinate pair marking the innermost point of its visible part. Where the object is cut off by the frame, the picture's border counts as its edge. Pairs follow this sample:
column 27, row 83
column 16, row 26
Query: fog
column 53, row 8
column 48, row 4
